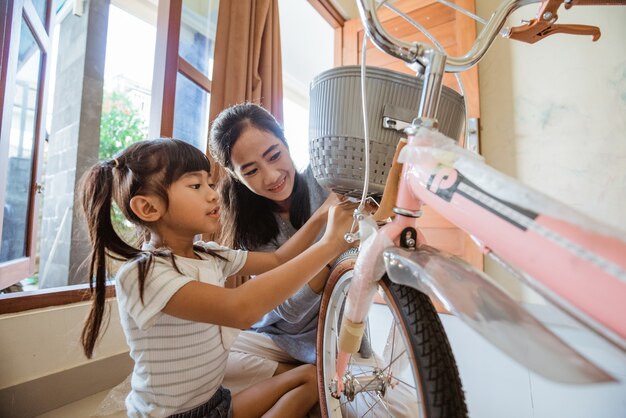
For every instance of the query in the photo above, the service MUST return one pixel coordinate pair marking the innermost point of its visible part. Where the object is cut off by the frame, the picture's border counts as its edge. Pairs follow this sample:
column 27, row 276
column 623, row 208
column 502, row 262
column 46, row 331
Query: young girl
column 173, row 307
column 247, row 141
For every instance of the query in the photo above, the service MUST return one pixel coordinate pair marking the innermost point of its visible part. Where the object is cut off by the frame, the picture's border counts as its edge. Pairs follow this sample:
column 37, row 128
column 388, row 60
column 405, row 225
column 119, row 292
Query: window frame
column 15, row 270
column 44, row 298
column 168, row 64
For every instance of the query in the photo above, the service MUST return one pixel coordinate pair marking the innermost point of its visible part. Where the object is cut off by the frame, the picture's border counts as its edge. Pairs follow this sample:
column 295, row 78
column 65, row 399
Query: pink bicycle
column 577, row 264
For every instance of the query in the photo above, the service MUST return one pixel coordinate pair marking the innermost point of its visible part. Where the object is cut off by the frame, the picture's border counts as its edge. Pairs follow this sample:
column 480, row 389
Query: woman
column 250, row 145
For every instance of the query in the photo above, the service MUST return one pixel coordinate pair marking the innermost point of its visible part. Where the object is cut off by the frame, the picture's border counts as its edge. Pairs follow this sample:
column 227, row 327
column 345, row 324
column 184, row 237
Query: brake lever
column 570, row 3
column 539, row 32
column 545, row 25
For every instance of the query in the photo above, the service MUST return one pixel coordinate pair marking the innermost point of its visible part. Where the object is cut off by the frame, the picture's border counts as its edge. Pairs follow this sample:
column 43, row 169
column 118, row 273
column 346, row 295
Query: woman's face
column 262, row 162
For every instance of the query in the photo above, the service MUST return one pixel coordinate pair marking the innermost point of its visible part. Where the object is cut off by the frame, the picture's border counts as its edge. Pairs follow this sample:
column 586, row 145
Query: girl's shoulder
column 211, row 245
column 147, row 265
column 229, row 261
column 213, row 250
column 145, row 259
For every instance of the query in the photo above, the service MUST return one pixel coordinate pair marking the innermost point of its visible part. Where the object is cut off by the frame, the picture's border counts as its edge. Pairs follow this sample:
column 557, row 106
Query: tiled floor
column 495, row 386
column 81, row 409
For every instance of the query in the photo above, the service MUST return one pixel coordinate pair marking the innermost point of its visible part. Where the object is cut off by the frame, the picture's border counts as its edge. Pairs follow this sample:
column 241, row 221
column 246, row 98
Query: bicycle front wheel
column 405, row 367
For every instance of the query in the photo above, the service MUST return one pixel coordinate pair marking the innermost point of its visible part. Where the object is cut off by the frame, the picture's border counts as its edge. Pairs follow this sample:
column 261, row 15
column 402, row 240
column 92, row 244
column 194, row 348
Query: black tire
column 438, row 386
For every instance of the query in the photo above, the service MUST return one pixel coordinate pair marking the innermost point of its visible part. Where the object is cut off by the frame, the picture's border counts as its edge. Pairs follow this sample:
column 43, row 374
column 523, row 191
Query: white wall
column 553, row 114
column 41, row 342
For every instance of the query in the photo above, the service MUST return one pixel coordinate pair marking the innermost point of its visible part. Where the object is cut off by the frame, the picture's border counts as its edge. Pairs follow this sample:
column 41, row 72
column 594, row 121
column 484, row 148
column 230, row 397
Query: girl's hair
column 145, row 168
column 248, row 219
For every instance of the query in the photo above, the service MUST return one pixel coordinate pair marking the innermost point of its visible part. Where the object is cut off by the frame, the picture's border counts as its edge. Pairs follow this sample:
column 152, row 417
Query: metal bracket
column 78, row 7
column 391, row 123
column 408, row 238
column 473, row 135
column 407, row 212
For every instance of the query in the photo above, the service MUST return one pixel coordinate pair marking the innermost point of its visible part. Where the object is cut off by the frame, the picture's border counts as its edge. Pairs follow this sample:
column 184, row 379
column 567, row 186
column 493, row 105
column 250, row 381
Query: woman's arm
column 260, row 262
column 294, row 309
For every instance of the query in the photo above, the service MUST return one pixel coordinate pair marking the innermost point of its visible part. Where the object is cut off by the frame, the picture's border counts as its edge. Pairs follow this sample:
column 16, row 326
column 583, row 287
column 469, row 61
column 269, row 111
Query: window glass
column 297, row 132
column 129, row 63
column 191, row 114
column 197, row 34
column 68, row 150
column 21, row 145
column 127, row 82
column 127, row 91
column 42, row 7
column 305, row 54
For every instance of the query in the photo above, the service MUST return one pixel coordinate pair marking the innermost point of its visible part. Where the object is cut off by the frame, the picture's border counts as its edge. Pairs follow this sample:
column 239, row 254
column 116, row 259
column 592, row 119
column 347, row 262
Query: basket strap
column 391, row 186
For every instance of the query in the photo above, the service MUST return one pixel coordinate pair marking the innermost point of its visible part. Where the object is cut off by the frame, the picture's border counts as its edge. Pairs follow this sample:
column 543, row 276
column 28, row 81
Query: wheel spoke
column 369, row 334
column 370, row 407
column 338, row 408
column 405, row 383
column 349, row 404
column 387, row 383
column 395, row 377
column 382, row 402
column 364, row 388
column 363, row 373
column 393, row 339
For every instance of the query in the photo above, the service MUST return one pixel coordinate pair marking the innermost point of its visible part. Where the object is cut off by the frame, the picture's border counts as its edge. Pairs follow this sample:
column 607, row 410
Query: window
column 150, row 76
column 305, row 53
column 21, row 133
column 129, row 63
column 185, row 51
column 49, row 121
column 296, row 128
column 193, row 84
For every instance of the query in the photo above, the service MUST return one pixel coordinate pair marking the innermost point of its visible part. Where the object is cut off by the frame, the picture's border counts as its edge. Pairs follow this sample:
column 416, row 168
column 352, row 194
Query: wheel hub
column 377, row 382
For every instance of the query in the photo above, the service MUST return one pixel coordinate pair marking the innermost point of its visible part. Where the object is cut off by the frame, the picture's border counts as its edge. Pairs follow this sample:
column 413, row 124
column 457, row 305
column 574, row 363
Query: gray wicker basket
column 336, row 144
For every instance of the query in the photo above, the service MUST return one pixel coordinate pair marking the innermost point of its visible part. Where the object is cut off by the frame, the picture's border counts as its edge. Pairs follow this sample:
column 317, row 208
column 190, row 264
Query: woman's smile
column 278, row 186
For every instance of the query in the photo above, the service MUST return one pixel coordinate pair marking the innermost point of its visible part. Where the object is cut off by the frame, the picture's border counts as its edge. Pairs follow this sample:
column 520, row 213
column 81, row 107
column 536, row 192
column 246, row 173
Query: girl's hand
column 340, row 217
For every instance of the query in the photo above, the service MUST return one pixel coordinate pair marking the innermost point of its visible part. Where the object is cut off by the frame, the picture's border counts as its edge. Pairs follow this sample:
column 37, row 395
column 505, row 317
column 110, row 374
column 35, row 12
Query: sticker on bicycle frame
column 445, row 182
column 443, row 179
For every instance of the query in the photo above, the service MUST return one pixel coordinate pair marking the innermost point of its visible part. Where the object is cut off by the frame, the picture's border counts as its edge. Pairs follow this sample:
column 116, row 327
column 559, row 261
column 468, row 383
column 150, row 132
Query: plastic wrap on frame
column 471, row 296
column 368, row 269
column 442, row 149
column 431, row 149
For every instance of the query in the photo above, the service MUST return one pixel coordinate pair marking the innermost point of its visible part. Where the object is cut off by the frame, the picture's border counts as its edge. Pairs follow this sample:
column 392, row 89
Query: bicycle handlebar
column 537, row 29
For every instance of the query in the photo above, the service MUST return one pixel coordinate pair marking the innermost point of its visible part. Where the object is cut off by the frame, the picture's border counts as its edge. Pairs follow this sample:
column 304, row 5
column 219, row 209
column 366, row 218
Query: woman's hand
column 340, row 218
column 331, row 200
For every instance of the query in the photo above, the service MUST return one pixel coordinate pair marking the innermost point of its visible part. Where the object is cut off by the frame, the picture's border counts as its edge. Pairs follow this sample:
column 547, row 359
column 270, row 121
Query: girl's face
column 262, row 163
column 193, row 206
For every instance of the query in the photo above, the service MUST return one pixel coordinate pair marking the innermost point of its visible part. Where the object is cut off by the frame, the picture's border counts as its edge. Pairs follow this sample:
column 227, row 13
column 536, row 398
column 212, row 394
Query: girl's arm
column 260, row 262
column 243, row 306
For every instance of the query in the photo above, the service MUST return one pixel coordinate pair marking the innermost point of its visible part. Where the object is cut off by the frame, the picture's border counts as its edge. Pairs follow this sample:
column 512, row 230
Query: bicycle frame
column 574, row 262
